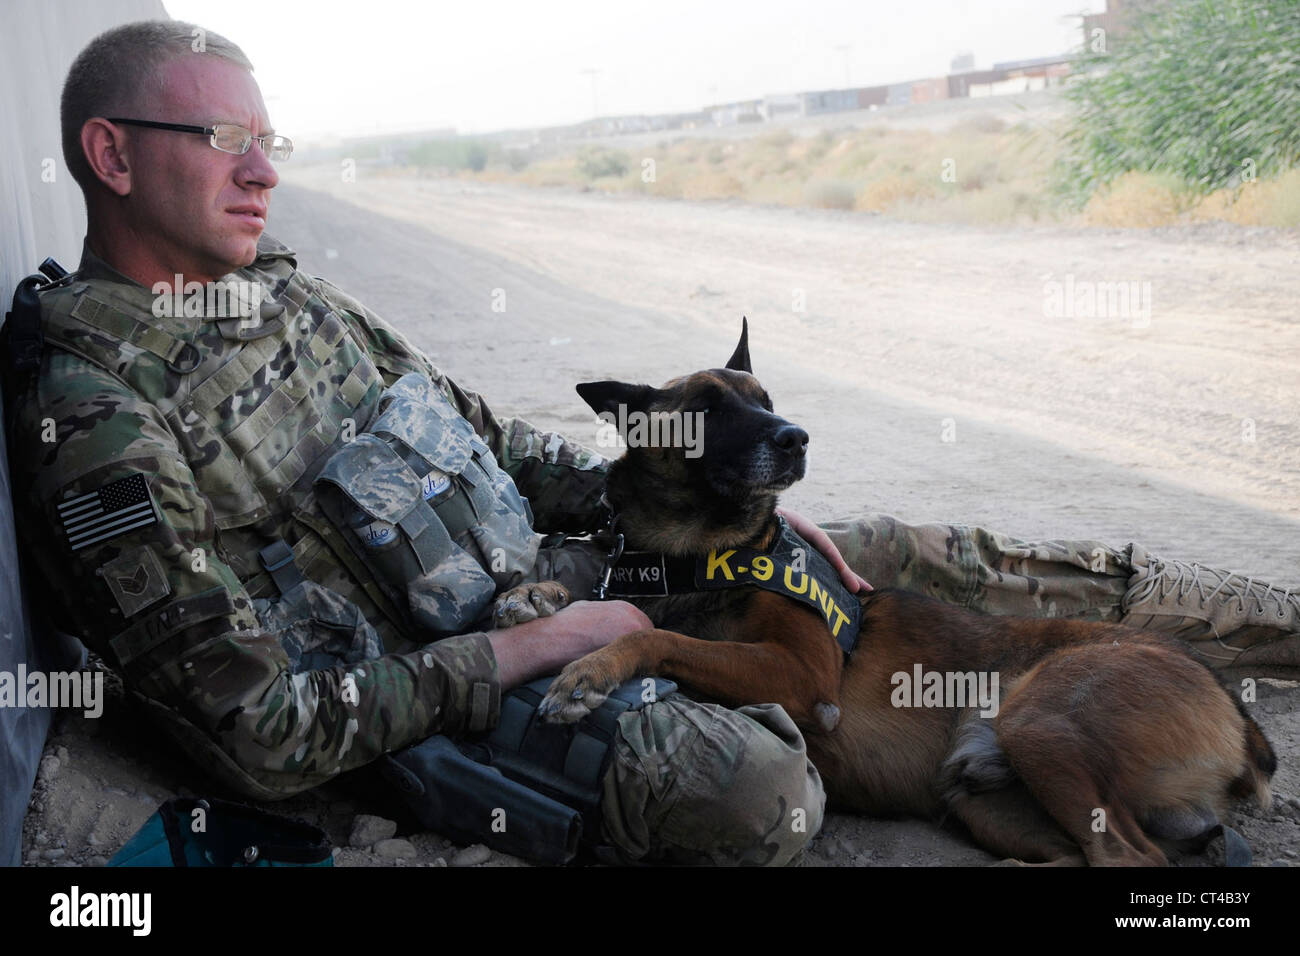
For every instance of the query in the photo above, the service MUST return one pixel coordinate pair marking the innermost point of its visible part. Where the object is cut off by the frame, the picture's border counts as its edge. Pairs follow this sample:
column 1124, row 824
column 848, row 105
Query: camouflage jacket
column 154, row 456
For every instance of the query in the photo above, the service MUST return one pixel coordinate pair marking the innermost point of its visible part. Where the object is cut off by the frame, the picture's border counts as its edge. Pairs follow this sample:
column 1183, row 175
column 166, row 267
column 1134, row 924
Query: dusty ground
column 1105, row 428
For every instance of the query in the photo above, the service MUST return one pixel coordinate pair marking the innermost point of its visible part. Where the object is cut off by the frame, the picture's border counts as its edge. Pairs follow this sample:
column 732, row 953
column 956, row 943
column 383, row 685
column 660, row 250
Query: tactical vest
column 426, row 508
column 256, row 441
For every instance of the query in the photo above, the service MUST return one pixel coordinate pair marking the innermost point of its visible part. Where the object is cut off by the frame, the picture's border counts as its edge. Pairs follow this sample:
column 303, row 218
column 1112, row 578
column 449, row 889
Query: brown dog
column 1053, row 741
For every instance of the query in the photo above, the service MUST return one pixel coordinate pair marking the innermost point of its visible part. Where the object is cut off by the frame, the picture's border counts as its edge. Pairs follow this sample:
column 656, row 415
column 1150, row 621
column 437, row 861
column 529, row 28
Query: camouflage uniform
column 155, row 456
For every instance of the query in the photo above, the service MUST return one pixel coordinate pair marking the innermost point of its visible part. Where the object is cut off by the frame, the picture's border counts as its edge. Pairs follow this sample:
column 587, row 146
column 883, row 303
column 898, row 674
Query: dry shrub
column 829, row 194
column 710, row 184
column 879, row 195
column 981, row 123
column 1138, row 200
column 777, row 139
column 1275, row 202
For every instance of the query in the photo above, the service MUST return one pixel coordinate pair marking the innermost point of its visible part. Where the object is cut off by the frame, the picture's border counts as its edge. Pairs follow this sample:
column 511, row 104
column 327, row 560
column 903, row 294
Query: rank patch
column 117, row 507
column 136, row 580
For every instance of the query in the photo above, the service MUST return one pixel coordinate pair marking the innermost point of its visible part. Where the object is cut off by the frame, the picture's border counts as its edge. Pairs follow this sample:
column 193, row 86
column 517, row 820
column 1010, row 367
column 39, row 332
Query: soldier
column 183, row 456
column 192, row 388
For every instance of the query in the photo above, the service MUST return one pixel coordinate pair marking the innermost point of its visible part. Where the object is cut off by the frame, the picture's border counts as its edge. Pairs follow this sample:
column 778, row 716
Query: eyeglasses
column 225, row 136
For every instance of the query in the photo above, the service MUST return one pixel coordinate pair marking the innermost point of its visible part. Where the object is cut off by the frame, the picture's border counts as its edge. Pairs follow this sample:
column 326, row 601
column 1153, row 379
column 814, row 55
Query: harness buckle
column 611, row 559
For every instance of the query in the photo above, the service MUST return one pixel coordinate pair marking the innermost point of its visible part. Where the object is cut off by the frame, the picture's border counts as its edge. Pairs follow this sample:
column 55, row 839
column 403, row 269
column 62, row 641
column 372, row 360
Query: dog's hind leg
column 1010, row 823
column 982, row 791
column 1056, row 765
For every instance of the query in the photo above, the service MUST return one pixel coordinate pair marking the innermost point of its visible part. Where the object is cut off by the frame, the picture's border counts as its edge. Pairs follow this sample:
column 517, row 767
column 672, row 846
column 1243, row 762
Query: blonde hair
column 107, row 76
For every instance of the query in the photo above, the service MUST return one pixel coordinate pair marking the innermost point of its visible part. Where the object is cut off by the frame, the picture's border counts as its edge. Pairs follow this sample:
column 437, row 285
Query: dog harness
column 791, row 567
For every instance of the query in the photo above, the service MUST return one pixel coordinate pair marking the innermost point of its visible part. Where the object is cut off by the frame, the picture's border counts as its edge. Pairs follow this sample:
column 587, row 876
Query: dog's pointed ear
column 608, row 396
column 740, row 358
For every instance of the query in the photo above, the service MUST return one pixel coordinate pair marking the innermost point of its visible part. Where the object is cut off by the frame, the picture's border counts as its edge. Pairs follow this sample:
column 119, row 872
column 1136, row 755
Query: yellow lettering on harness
column 840, row 620
column 719, row 561
column 828, row 604
column 789, row 581
column 819, row 595
column 762, row 568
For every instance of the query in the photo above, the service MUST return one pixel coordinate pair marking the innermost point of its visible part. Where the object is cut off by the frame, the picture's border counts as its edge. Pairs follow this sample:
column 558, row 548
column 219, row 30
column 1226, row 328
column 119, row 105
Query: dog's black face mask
column 712, row 431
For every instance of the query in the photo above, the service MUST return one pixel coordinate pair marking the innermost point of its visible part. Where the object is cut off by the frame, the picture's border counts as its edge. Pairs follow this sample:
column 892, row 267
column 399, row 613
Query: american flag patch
column 119, row 506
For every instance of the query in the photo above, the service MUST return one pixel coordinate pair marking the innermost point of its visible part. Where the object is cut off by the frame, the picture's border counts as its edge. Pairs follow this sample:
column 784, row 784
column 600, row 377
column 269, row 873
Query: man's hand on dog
column 819, row 540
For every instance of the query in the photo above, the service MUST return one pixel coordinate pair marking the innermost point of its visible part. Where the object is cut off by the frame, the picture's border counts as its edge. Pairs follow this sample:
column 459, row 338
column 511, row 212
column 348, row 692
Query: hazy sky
column 348, row 67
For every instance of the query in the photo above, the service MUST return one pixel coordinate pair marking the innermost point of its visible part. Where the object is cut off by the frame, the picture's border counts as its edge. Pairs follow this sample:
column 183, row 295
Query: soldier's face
column 201, row 209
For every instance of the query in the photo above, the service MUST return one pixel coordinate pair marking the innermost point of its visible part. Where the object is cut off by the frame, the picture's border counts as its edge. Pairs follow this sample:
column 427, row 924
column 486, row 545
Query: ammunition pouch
column 528, row 788
column 420, row 499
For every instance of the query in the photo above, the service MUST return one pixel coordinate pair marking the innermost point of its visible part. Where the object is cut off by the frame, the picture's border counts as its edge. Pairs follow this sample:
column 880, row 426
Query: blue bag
column 192, row 832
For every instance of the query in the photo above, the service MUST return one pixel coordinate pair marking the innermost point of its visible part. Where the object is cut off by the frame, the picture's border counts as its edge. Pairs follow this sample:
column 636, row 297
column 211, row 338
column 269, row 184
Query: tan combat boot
column 1238, row 624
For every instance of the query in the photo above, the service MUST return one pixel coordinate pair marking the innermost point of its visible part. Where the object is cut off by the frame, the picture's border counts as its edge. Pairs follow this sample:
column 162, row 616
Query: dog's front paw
column 529, row 602
column 581, row 688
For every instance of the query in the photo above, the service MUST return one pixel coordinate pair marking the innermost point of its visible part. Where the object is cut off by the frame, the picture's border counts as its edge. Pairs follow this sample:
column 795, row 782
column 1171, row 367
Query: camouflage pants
column 985, row 570
column 698, row 783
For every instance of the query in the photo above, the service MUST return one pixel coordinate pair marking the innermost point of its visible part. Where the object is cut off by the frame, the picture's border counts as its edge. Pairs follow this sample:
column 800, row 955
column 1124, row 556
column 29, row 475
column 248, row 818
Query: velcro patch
column 106, row 512
column 136, row 580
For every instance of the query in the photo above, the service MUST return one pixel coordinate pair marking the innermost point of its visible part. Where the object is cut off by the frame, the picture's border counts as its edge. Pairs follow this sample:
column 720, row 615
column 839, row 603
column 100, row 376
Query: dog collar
column 791, row 567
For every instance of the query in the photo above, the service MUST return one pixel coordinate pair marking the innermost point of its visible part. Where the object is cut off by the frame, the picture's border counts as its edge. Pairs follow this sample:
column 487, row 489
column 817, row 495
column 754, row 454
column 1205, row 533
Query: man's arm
column 562, row 480
column 544, row 645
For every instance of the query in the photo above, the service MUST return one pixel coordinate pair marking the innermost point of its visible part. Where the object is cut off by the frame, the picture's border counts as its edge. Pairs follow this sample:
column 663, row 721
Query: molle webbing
column 320, row 432
column 113, row 321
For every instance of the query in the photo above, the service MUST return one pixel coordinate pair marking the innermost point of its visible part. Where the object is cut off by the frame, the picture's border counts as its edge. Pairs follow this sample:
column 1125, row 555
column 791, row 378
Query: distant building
column 960, row 84
column 1012, row 76
column 870, row 97
column 829, row 101
column 1021, row 76
column 729, row 114
column 927, row 91
column 781, row 106
column 898, row 94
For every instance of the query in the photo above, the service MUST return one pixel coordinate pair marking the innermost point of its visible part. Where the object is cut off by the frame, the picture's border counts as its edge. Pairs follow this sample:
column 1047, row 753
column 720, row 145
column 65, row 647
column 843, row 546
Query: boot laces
column 1166, row 577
